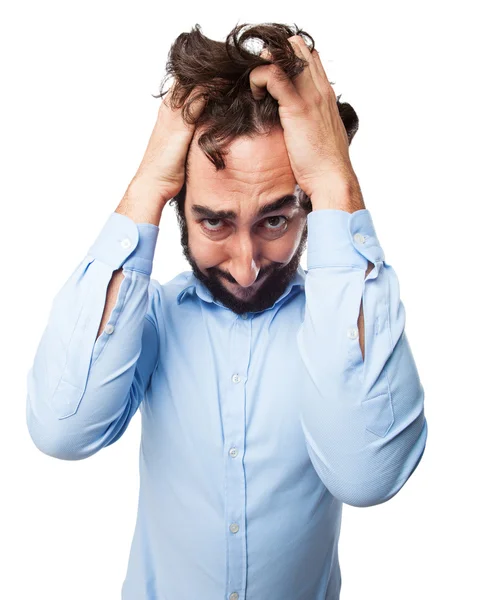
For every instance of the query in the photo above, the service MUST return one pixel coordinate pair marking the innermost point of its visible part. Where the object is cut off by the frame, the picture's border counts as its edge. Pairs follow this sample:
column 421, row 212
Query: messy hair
column 222, row 69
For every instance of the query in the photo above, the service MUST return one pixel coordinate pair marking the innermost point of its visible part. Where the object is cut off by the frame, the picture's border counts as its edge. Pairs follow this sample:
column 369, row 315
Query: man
column 269, row 395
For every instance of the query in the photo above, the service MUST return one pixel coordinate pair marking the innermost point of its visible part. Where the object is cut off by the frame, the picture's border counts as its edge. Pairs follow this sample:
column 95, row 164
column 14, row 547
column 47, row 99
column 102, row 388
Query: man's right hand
column 161, row 173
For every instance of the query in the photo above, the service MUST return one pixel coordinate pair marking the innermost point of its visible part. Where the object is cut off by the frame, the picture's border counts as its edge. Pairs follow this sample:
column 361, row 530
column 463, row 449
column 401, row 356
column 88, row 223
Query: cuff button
column 353, row 333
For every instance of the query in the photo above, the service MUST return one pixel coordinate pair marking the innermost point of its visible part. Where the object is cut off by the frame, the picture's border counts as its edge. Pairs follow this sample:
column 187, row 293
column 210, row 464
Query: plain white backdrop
column 76, row 114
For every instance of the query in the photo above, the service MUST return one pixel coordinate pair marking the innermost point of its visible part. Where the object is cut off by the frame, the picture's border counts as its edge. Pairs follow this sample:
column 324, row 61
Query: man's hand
column 314, row 134
column 162, row 170
column 161, row 173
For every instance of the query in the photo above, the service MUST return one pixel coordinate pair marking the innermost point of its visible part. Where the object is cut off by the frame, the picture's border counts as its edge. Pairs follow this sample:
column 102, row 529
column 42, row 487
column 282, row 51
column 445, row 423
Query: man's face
column 246, row 261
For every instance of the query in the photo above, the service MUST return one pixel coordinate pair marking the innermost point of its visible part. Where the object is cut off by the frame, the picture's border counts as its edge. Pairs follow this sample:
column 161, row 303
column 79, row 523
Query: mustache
column 218, row 273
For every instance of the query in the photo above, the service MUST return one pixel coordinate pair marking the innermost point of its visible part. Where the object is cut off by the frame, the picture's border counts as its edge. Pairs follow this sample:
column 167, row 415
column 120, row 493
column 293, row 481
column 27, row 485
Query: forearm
column 142, row 201
column 82, row 388
column 111, row 298
column 342, row 195
column 361, row 315
column 142, row 204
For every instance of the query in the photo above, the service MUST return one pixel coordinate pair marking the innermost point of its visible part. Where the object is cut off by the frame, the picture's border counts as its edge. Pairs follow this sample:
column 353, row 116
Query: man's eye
column 272, row 219
column 213, row 223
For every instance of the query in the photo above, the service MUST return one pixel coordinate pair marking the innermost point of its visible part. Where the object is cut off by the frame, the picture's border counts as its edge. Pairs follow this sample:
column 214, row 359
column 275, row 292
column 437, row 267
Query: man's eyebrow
column 279, row 204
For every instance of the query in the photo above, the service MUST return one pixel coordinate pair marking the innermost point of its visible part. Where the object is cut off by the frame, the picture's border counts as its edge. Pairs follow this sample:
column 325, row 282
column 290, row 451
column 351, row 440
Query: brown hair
column 222, row 70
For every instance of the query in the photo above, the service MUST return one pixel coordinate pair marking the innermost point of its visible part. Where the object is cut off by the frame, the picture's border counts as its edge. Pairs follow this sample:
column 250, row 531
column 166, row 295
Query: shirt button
column 244, row 316
column 359, row 238
column 353, row 333
column 109, row 328
column 126, row 243
column 234, row 527
column 236, row 378
column 233, row 452
column 234, row 596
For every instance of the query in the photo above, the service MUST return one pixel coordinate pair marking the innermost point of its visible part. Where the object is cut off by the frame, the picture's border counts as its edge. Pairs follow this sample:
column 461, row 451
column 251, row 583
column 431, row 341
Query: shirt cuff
column 340, row 238
column 124, row 242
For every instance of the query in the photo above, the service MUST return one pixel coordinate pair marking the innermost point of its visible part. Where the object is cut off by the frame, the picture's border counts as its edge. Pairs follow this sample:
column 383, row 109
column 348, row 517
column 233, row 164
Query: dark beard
column 277, row 278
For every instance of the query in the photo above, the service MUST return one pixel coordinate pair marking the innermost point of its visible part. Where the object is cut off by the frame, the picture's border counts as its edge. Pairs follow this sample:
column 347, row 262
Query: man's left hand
column 314, row 134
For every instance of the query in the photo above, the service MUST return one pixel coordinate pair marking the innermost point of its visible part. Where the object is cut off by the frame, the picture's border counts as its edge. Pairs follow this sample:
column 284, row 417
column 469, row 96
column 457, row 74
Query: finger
column 303, row 85
column 265, row 54
column 318, row 73
column 197, row 100
column 304, row 82
column 198, row 104
column 319, row 69
column 259, row 93
column 273, row 79
column 319, row 65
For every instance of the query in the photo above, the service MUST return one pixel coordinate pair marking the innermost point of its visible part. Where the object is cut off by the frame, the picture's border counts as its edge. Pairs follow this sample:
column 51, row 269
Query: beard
column 275, row 278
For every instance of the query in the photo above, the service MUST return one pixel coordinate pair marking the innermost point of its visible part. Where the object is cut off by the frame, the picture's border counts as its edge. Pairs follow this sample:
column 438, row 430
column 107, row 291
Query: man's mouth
column 248, row 290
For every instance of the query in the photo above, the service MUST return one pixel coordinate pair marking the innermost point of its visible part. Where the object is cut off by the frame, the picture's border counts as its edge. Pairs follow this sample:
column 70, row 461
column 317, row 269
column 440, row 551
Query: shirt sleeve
column 365, row 428
column 82, row 391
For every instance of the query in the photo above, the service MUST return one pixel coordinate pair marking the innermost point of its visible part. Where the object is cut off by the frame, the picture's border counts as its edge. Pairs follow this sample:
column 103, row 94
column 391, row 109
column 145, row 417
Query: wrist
column 143, row 201
column 149, row 188
column 338, row 193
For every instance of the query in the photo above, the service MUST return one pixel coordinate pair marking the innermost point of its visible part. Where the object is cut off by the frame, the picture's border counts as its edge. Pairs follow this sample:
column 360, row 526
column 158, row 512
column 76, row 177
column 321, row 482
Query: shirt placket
column 234, row 424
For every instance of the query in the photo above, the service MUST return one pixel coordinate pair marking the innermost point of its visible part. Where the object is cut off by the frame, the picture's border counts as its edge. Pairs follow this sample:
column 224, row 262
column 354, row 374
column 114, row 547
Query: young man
column 269, row 395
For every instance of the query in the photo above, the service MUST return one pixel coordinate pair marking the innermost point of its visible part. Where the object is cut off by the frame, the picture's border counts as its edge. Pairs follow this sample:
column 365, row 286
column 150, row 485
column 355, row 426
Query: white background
column 76, row 113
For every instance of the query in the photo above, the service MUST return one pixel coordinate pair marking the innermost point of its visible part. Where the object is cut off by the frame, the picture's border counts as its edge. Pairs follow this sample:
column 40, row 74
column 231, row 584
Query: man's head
column 245, row 256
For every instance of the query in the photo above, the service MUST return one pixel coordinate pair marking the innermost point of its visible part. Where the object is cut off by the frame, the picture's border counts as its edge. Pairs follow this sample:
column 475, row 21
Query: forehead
column 257, row 170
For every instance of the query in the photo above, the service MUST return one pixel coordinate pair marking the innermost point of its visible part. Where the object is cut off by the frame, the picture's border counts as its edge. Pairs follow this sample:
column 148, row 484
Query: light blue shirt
column 254, row 428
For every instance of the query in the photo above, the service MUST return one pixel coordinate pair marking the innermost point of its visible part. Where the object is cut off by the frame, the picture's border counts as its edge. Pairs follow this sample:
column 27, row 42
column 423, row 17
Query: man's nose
column 244, row 268
column 245, row 277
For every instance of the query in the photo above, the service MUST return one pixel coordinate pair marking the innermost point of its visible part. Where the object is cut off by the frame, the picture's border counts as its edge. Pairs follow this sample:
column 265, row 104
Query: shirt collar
column 193, row 285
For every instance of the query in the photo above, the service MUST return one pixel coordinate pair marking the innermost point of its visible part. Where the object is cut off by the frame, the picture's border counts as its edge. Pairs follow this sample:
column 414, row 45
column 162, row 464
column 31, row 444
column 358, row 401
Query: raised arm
column 100, row 345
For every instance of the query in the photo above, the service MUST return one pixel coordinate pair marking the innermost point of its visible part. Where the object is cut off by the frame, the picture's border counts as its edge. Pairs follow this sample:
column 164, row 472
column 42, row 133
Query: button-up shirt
column 255, row 428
